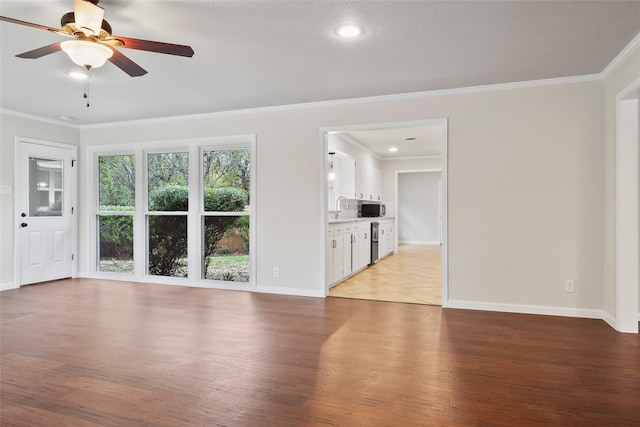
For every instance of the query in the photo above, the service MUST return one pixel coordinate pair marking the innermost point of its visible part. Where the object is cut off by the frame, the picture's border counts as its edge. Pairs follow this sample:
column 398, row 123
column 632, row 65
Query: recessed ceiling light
column 78, row 75
column 349, row 31
column 410, row 138
column 393, row 149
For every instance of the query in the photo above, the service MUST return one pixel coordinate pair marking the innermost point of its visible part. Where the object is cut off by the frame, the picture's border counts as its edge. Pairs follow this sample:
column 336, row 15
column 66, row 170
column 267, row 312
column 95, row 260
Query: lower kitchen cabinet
column 364, row 246
column 349, row 247
column 386, row 241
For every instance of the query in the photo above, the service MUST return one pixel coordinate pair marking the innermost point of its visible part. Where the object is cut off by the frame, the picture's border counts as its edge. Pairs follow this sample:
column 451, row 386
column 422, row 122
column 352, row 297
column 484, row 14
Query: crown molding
column 430, row 157
column 38, row 118
column 357, row 101
column 620, row 57
column 343, row 102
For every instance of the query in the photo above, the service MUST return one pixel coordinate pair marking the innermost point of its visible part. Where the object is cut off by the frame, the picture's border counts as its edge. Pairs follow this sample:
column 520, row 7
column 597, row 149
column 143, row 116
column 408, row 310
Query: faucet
column 338, row 205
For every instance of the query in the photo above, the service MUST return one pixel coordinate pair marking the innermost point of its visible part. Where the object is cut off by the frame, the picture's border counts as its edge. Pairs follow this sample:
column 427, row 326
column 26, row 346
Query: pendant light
column 332, row 175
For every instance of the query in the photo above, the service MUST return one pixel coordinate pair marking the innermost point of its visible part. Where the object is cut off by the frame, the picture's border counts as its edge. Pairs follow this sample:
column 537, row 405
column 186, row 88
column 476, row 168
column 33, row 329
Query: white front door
column 44, row 201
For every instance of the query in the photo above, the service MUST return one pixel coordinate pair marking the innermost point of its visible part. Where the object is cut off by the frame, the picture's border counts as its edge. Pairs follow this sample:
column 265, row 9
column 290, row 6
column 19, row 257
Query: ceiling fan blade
column 158, row 47
column 88, row 17
column 41, row 51
column 126, row 64
column 28, row 24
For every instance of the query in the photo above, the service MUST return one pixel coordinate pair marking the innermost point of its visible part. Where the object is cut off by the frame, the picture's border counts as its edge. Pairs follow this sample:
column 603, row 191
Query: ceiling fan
column 93, row 43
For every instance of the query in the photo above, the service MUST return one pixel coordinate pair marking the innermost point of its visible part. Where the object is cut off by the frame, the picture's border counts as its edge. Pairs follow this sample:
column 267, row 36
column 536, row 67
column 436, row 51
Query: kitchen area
column 366, row 257
column 359, row 232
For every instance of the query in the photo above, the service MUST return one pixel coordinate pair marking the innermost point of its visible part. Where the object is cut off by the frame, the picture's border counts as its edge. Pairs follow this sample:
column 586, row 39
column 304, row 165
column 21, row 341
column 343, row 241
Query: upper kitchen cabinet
column 342, row 169
column 362, row 176
column 368, row 182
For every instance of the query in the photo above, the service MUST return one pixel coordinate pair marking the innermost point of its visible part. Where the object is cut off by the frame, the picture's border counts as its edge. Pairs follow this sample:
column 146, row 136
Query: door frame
column 323, row 170
column 627, row 313
column 19, row 192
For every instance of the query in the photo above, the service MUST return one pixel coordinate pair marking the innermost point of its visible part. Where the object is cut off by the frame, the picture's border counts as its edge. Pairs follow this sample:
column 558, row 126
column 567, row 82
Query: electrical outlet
column 276, row 272
column 569, row 286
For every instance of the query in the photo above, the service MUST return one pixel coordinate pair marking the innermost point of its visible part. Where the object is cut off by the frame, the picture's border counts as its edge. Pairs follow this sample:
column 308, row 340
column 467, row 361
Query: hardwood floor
column 102, row 353
column 414, row 275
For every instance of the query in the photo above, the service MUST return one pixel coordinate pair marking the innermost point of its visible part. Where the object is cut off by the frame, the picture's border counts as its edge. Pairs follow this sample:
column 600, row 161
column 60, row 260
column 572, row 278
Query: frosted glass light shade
column 87, row 54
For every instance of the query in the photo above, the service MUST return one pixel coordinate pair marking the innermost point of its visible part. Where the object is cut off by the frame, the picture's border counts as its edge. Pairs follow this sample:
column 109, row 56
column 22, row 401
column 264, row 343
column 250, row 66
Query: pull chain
column 86, row 91
column 86, row 84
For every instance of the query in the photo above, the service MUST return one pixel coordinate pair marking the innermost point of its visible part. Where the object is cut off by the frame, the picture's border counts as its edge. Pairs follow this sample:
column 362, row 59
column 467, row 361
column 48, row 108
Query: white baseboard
column 289, row 291
column 611, row 321
column 8, row 285
column 418, row 242
column 201, row 284
column 528, row 309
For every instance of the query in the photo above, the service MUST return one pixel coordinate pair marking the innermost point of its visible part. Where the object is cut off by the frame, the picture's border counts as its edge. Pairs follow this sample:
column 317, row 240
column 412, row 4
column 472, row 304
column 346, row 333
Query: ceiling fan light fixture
column 86, row 54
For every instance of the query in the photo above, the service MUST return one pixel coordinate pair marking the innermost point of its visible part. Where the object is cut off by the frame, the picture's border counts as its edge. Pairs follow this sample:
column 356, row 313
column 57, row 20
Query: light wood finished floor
column 81, row 353
column 414, row 274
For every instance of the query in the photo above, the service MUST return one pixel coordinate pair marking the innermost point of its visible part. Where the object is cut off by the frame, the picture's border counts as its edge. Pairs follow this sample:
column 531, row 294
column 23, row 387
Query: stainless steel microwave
column 373, row 210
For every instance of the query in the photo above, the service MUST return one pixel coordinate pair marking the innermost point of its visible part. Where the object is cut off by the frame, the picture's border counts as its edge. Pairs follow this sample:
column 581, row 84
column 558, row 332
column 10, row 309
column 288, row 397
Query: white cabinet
column 347, row 254
column 364, row 245
column 344, row 184
column 368, row 182
column 347, row 177
column 374, row 182
column 386, row 239
column 348, row 249
column 361, row 181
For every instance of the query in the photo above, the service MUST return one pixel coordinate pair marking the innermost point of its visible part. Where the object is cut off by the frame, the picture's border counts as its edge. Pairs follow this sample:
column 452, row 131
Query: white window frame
column 195, row 148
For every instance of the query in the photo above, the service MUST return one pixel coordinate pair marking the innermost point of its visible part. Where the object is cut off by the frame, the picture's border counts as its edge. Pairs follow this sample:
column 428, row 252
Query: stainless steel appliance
column 374, row 242
column 373, row 210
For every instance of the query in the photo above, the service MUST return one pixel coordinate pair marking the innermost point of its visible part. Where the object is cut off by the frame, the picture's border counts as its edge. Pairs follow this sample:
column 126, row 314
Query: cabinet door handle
column 365, row 236
column 333, row 244
column 370, row 197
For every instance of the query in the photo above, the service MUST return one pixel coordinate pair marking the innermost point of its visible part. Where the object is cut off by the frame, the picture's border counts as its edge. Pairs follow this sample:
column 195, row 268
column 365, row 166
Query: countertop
column 341, row 220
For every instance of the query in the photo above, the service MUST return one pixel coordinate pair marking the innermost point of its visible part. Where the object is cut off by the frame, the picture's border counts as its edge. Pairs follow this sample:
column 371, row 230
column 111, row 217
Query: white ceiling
column 252, row 54
column 427, row 142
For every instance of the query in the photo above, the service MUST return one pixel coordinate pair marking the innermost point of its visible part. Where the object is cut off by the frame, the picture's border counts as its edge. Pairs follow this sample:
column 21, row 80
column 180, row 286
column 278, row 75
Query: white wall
column 418, row 213
column 514, row 234
column 10, row 127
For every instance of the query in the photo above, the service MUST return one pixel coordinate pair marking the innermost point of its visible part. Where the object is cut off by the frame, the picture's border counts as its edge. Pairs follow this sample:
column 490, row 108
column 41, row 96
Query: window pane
column 117, row 185
column 226, row 248
column 168, row 181
column 168, row 245
column 226, row 180
column 115, row 243
column 45, row 187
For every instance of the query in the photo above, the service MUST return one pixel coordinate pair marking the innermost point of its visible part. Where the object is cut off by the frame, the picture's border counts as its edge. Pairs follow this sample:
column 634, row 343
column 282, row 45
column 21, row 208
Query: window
column 168, row 205
column 116, row 204
column 181, row 211
column 225, row 220
column 45, row 187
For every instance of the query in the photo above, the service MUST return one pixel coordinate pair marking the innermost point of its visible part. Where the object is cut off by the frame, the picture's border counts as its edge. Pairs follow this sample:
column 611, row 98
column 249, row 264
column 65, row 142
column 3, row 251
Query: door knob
column 23, row 214
column 24, row 224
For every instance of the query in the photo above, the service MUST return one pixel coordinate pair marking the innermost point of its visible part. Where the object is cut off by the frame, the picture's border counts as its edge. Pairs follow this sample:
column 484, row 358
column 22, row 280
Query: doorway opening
column 380, row 154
